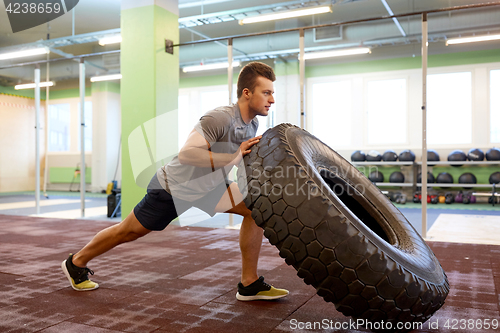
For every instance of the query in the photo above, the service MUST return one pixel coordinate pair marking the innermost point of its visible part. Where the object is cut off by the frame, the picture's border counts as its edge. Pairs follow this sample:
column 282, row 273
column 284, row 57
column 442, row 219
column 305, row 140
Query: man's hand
column 245, row 149
column 246, row 145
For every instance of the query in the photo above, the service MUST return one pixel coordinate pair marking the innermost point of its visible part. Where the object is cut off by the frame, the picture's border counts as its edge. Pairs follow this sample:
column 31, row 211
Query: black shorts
column 158, row 208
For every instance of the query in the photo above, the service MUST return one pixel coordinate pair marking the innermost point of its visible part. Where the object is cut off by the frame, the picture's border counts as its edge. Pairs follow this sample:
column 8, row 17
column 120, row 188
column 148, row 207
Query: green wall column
column 149, row 91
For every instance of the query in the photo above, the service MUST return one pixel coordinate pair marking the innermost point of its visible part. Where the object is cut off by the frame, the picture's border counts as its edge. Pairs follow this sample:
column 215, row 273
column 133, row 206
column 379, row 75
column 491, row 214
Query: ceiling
column 200, row 19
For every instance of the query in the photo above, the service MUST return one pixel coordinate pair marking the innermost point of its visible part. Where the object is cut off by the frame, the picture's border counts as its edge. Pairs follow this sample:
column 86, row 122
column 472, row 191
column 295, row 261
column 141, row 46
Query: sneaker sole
column 65, row 271
column 257, row 297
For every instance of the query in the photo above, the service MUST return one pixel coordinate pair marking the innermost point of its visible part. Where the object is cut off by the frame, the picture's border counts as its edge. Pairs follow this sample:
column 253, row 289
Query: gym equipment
column 430, row 178
column 457, row 156
column 339, row 239
column 432, row 156
column 475, row 154
column 493, row 154
column 494, row 178
column 467, row 178
column 397, row 177
column 407, row 156
column 358, row 156
column 434, row 199
column 374, row 156
column 376, row 177
column 449, row 199
column 417, row 197
column 389, row 156
column 459, row 197
column 468, row 198
column 444, row 178
column 442, row 198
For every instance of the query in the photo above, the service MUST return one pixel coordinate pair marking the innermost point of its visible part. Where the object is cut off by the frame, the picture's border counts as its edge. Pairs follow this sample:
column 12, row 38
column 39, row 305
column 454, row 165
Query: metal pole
column 424, row 125
column 45, row 169
column 37, row 139
column 230, row 69
column 230, row 90
column 302, row 74
column 82, row 135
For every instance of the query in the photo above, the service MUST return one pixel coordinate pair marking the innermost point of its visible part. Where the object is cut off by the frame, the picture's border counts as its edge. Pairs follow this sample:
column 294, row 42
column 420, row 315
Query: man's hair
column 249, row 74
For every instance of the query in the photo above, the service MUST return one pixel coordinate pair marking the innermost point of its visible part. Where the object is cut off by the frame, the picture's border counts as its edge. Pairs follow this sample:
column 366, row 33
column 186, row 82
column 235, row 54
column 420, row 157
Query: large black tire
column 341, row 234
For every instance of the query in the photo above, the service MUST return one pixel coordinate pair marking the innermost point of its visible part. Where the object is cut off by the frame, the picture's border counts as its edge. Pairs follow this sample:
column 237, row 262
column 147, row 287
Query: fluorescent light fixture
column 33, row 85
column 24, row 53
column 287, row 14
column 209, row 66
column 472, row 39
column 106, row 77
column 110, row 40
column 336, row 53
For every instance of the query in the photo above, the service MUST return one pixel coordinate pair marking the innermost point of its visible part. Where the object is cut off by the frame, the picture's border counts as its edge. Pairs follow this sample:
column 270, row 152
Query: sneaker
column 259, row 290
column 78, row 276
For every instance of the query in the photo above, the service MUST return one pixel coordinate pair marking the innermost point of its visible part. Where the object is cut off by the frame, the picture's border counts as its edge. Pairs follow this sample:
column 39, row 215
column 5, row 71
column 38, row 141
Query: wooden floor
column 184, row 279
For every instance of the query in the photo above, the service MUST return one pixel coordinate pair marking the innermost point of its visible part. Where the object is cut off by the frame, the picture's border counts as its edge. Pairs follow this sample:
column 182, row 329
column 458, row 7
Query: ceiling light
column 287, row 14
column 110, row 40
column 33, row 85
column 336, row 53
column 472, row 39
column 209, row 66
column 24, row 53
column 106, row 77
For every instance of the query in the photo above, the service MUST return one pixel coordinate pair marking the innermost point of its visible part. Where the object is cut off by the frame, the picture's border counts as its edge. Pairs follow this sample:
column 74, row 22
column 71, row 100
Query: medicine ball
column 493, row 154
column 495, row 178
column 444, row 178
column 467, row 178
column 390, row 156
column 374, row 156
column 475, row 154
column 457, row 156
column 376, row 177
column 430, row 178
column 432, row 155
column 407, row 156
column 358, row 156
column 397, row 177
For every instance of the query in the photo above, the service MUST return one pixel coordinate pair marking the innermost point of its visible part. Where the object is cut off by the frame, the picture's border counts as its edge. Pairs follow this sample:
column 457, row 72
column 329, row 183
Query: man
column 197, row 177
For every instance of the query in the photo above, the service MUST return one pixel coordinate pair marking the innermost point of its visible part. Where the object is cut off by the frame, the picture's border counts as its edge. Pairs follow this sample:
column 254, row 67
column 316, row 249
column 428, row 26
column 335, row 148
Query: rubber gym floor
column 184, row 278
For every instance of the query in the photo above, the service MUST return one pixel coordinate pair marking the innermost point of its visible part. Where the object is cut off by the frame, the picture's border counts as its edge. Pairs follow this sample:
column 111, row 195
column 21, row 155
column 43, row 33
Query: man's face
column 262, row 97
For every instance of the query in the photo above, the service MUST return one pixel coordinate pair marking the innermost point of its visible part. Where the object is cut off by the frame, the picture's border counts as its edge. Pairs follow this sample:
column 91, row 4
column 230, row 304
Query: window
column 331, row 109
column 185, row 127
column 386, row 111
column 449, row 108
column 59, row 125
column 211, row 99
column 495, row 106
column 88, row 126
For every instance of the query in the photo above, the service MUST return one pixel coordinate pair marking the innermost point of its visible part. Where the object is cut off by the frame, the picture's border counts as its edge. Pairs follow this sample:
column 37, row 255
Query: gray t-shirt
column 225, row 130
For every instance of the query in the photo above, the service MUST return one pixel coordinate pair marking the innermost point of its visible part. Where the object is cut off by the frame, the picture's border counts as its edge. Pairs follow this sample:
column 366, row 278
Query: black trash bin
column 114, row 200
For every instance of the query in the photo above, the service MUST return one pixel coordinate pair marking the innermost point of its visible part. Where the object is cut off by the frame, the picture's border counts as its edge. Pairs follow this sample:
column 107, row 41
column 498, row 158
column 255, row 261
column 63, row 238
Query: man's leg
column 250, row 244
column 127, row 230
column 75, row 267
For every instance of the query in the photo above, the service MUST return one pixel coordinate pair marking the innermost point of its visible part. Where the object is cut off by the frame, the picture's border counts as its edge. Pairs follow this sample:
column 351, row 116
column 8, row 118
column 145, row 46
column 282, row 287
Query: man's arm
column 196, row 152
